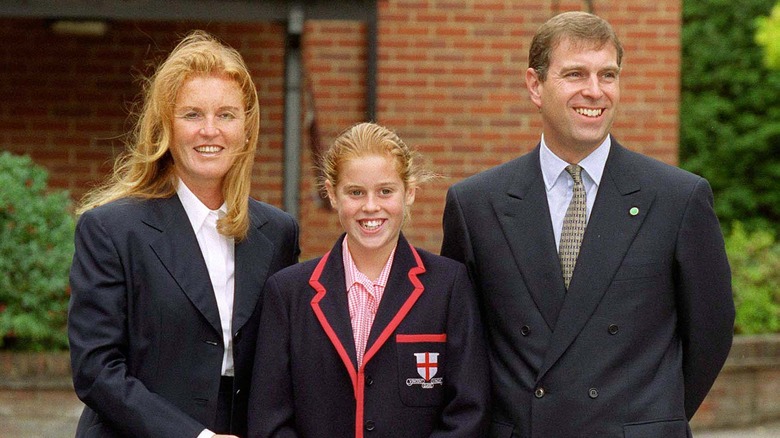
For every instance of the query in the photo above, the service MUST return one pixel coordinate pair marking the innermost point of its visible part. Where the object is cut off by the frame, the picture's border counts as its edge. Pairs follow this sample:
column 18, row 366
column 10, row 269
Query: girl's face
column 208, row 130
column 371, row 201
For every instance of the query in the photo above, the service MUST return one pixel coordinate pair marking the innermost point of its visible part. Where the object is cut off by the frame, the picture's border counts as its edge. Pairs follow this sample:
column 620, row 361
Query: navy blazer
column 424, row 373
column 634, row 345
column 145, row 334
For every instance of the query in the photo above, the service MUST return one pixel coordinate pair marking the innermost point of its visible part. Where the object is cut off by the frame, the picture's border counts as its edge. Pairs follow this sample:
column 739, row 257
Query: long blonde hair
column 146, row 169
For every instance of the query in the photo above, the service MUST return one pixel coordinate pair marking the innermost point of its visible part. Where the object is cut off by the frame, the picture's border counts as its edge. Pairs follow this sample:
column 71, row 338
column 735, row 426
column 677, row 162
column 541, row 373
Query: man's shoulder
column 499, row 174
column 656, row 171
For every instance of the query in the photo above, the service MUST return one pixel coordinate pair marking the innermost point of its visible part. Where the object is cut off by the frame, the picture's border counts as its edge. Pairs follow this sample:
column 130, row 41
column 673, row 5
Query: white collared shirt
column 219, row 253
column 559, row 183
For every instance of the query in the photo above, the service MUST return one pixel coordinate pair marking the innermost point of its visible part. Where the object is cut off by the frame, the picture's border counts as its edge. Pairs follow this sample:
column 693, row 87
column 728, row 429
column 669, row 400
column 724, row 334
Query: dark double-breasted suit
column 424, row 372
column 634, row 345
column 145, row 334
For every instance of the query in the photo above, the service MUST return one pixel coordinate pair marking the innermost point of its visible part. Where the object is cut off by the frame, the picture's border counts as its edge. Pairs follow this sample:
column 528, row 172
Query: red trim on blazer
column 403, row 339
column 358, row 379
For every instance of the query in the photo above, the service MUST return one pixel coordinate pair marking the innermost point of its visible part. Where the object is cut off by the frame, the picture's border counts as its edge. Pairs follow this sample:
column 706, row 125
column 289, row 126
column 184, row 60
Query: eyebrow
column 222, row 108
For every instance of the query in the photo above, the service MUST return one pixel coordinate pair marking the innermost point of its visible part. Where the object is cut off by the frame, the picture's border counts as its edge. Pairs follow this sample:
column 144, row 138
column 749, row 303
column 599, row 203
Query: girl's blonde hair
column 365, row 139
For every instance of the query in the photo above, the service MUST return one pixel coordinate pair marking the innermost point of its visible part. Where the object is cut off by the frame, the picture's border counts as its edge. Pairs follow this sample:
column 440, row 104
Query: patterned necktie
column 573, row 225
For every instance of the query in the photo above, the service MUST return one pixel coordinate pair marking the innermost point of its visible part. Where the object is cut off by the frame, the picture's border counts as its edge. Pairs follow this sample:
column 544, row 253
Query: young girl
column 375, row 337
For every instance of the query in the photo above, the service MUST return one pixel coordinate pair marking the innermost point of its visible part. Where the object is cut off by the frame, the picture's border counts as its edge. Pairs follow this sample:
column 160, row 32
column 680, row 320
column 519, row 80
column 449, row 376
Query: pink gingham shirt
column 363, row 296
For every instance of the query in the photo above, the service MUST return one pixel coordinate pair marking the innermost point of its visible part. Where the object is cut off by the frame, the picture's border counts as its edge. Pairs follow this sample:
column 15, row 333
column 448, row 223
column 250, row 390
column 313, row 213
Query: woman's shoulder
column 263, row 209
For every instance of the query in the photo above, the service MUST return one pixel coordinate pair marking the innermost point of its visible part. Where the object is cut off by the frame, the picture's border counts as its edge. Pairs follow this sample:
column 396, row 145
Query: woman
column 376, row 335
column 171, row 256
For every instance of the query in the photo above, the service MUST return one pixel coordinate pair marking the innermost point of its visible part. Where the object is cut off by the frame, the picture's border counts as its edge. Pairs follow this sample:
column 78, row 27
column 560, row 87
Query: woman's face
column 371, row 200
column 208, row 130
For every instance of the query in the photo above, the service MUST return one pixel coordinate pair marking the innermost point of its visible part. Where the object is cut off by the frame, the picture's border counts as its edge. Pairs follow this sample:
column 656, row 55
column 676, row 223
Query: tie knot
column 575, row 170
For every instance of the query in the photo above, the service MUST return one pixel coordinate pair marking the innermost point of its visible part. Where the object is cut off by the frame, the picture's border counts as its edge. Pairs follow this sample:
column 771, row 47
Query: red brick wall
column 450, row 82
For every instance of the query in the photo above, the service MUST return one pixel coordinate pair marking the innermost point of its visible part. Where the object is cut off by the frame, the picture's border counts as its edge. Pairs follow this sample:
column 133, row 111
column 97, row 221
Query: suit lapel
column 610, row 231
column 253, row 259
column 522, row 211
column 175, row 241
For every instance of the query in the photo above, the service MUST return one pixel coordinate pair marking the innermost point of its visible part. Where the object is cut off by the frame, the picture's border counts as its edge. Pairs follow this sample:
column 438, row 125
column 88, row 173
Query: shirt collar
column 593, row 165
column 352, row 275
column 196, row 210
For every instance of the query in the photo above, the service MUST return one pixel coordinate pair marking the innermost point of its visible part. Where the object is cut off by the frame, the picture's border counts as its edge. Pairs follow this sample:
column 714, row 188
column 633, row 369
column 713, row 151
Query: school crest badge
column 427, row 367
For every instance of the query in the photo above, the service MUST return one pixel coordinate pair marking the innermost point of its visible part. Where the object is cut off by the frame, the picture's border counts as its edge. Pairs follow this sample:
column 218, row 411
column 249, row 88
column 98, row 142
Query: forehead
column 210, row 86
column 368, row 168
column 569, row 50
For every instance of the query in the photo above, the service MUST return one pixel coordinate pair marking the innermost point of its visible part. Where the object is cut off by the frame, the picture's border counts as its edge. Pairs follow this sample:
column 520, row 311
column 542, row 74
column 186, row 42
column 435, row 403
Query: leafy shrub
column 730, row 110
column 36, row 247
column 755, row 267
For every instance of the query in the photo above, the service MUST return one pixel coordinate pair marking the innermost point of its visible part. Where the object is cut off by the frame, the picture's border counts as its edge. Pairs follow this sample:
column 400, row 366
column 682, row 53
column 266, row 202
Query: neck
column 370, row 263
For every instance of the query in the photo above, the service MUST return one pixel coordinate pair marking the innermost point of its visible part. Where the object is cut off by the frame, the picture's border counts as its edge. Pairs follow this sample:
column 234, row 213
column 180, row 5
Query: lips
column 589, row 112
column 209, row 149
column 371, row 224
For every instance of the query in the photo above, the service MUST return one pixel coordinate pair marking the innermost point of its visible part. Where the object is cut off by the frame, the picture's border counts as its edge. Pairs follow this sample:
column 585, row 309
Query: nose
column 370, row 205
column 209, row 128
column 593, row 87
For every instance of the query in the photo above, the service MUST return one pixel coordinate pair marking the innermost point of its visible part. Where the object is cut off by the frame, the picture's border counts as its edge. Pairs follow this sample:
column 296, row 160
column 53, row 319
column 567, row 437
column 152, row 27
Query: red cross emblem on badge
column 427, row 365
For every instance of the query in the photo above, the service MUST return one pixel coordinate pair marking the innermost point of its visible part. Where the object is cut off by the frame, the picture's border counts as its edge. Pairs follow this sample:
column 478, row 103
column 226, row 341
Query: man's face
column 578, row 99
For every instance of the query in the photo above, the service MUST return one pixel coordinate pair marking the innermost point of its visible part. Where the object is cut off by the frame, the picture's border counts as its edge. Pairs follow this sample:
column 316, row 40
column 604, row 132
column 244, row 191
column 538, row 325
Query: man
column 625, row 332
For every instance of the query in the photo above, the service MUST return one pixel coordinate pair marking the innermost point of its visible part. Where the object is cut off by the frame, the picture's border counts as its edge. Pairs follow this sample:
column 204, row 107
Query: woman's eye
column 227, row 116
column 190, row 115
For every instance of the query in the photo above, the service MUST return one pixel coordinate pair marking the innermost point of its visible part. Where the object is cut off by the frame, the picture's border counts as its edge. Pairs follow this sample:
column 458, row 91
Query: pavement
column 54, row 413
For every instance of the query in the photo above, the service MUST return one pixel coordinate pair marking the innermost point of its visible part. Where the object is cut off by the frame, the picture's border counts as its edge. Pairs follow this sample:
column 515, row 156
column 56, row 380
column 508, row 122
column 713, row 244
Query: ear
column 331, row 193
column 534, row 85
column 410, row 193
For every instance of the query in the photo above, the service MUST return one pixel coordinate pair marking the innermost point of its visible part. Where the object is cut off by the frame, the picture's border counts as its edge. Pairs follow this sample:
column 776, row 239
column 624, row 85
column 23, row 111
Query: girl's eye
column 386, row 191
column 355, row 192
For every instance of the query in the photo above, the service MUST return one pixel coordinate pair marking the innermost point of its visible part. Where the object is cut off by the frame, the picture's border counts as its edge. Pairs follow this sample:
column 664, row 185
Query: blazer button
column 369, row 381
column 210, row 342
column 613, row 329
column 593, row 393
column 525, row 330
column 539, row 393
column 370, row 425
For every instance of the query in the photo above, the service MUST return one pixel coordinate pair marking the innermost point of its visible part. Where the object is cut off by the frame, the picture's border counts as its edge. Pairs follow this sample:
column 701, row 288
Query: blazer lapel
column 252, row 261
column 176, row 241
column 331, row 307
column 401, row 293
column 618, row 211
column 523, row 212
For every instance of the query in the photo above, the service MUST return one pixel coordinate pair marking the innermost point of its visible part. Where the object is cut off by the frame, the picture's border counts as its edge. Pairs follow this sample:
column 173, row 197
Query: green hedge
column 755, row 267
column 36, row 248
